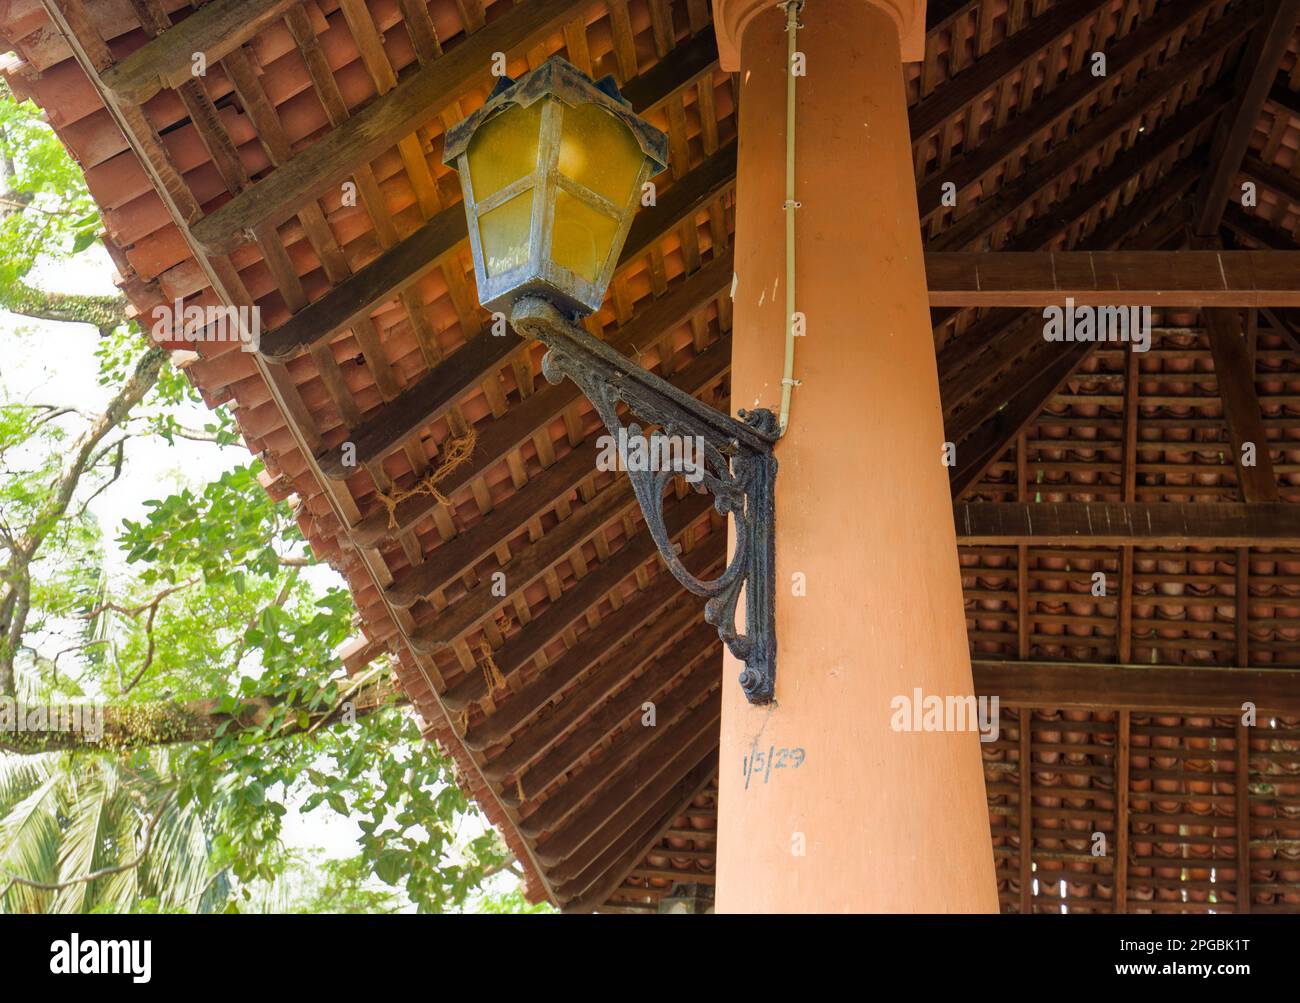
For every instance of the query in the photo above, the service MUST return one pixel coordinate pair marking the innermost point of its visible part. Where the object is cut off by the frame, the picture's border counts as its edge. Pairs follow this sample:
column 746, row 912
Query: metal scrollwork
column 739, row 471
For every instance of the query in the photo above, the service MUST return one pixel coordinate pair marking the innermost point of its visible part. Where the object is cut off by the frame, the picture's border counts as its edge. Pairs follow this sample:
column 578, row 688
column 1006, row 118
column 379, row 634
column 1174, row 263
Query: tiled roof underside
column 1045, row 157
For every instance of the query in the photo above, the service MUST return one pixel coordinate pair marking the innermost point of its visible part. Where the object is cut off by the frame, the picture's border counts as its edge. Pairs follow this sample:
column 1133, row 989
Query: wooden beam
column 560, row 615
column 1179, row 688
column 985, row 74
column 1014, row 195
column 632, row 743
column 669, row 624
column 989, row 346
column 1123, row 742
column 1259, row 65
column 619, row 861
column 430, row 397
column 336, row 155
column 499, row 437
column 1050, row 110
column 1114, row 278
column 601, row 798
column 1113, row 524
column 526, row 567
column 1234, row 373
column 1015, row 400
column 576, row 855
column 1241, row 782
column 167, row 60
column 1026, row 718
column 358, row 295
column 1258, row 230
column 699, row 644
column 1283, row 184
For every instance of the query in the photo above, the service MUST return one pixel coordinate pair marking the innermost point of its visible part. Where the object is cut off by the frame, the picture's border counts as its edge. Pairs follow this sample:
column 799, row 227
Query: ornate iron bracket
column 739, row 470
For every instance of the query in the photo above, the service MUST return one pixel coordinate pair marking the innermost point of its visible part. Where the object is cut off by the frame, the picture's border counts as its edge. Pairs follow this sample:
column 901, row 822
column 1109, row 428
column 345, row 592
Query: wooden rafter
column 1234, row 370
column 1256, row 77
column 379, row 126
column 168, row 59
column 1109, row 524
column 1114, row 278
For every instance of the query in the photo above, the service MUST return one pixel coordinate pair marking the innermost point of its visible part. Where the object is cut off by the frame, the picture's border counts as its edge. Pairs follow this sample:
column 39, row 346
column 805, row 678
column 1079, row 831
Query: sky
column 31, row 372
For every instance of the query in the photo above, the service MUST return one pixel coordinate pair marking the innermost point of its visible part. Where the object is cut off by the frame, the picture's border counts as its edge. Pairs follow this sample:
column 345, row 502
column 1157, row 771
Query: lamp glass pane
column 505, row 233
column 582, row 237
column 504, row 149
column 600, row 152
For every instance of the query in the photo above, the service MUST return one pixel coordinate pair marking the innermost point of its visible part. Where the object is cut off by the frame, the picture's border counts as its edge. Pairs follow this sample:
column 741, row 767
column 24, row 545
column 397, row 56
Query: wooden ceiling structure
column 301, row 172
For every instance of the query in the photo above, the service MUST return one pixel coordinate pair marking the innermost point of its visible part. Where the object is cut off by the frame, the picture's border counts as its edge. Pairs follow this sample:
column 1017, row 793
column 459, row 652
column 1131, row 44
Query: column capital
column 732, row 17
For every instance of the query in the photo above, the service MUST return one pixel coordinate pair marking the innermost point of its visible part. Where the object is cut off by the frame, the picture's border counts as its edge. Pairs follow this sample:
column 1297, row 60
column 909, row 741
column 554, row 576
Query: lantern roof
column 558, row 78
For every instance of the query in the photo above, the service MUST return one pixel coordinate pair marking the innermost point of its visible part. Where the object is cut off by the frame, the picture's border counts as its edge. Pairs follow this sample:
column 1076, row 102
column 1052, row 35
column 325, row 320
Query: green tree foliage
column 213, row 654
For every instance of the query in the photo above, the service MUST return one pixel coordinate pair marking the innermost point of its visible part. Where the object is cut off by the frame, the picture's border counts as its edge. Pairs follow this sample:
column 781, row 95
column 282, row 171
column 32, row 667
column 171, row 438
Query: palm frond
column 29, row 845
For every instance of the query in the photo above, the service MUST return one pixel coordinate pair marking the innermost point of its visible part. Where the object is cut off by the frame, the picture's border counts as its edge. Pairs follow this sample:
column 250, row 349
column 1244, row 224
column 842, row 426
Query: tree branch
column 125, row 727
column 102, row 312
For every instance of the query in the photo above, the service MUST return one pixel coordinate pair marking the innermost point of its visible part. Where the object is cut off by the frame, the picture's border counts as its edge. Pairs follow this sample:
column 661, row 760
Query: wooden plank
column 424, row 402
column 1015, row 401
column 167, row 60
column 1026, row 813
column 950, row 98
column 1012, row 196
column 333, row 158
column 1234, row 373
column 1113, row 524
column 698, row 643
column 355, row 297
column 526, row 567
column 618, row 862
column 437, row 391
column 1258, row 72
column 1123, row 742
column 1051, row 110
column 1242, row 812
column 575, row 855
column 1100, row 686
column 1114, row 278
column 625, row 785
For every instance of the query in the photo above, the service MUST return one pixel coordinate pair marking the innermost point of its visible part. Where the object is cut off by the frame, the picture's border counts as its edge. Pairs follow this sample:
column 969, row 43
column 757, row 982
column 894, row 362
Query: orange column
column 824, row 806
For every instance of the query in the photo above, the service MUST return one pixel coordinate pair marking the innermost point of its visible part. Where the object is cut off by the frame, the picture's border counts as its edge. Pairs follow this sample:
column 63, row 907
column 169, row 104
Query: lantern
column 552, row 169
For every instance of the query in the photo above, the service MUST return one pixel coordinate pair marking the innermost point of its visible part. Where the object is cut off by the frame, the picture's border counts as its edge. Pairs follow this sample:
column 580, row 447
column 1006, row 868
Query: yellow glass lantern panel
column 506, row 233
column 504, row 149
column 599, row 152
column 582, row 237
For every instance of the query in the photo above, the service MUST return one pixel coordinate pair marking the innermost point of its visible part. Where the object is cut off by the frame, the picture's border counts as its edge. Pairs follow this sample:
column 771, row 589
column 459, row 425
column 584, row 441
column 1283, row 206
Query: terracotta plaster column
column 824, row 806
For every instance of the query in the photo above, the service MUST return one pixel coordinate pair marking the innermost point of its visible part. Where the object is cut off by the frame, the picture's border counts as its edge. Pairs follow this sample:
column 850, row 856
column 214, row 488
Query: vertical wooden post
column 1242, row 626
column 1122, row 742
column 1124, row 649
column 1026, row 812
column 1022, row 557
column 1243, row 818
